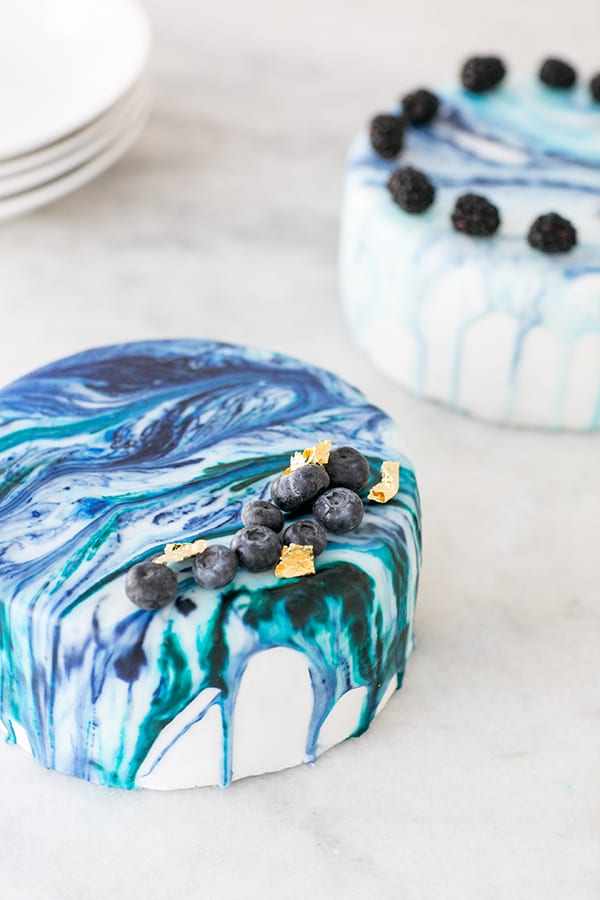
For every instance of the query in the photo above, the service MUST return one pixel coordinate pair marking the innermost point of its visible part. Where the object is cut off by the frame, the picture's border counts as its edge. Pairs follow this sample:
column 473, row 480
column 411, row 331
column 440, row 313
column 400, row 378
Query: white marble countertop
column 481, row 779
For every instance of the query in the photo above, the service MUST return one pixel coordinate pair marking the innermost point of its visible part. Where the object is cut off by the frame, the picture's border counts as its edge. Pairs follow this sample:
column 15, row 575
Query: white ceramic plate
column 18, row 204
column 63, row 63
column 19, row 165
column 74, row 153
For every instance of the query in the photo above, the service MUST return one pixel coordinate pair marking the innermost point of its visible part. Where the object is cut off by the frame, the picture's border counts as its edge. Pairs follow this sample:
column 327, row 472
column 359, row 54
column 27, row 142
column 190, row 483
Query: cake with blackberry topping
column 470, row 259
column 210, row 557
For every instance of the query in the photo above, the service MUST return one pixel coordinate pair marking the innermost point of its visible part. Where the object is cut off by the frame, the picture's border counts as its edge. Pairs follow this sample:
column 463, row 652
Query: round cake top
column 531, row 124
column 113, row 453
column 524, row 150
column 108, row 456
column 522, row 144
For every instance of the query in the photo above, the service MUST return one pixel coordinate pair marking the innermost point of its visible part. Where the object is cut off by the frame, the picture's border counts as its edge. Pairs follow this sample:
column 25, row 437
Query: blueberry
column 261, row 512
column 151, row 585
column 306, row 531
column 291, row 492
column 339, row 509
column 347, row 468
column 215, row 567
column 257, row 547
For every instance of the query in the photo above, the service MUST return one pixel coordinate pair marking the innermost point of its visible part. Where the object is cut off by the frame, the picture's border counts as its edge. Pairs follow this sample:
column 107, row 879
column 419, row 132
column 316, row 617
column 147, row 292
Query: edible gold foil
column 389, row 485
column 318, row 454
column 179, row 552
column 297, row 460
column 296, row 560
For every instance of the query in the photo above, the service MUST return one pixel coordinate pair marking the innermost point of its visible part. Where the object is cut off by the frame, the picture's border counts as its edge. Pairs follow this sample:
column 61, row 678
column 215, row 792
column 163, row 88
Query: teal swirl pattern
column 487, row 326
column 107, row 456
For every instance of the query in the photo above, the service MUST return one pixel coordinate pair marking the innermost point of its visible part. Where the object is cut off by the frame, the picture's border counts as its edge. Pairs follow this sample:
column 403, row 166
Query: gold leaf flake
column 297, row 460
column 389, row 485
column 180, row 552
column 296, row 560
column 318, row 454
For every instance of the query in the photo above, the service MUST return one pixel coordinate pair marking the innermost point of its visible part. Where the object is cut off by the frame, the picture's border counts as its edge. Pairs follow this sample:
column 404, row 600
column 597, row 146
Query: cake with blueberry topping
column 470, row 246
column 209, row 566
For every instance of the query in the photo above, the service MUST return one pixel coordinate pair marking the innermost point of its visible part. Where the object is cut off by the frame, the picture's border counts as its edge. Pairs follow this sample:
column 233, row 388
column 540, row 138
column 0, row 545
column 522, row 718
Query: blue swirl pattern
column 530, row 150
column 110, row 454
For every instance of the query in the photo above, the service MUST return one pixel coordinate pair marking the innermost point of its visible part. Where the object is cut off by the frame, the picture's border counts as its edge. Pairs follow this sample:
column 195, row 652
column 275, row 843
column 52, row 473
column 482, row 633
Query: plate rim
column 27, row 146
column 42, row 195
column 80, row 152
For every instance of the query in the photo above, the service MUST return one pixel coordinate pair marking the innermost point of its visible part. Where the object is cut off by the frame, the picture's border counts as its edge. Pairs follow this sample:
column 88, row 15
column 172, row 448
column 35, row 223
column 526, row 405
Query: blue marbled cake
column 110, row 454
column 487, row 326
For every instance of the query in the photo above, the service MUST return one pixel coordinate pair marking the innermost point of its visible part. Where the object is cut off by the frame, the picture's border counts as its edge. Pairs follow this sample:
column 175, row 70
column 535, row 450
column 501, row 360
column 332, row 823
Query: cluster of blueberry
column 473, row 214
column 329, row 489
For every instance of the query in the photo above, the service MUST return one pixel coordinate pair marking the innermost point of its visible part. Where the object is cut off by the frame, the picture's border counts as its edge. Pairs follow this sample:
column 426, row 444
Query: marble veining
column 110, row 454
column 459, row 319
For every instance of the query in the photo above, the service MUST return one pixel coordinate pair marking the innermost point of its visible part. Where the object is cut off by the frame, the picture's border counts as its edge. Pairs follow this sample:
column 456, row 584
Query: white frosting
column 264, row 674
column 488, row 326
column 343, row 720
column 21, row 737
column 189, row 750
column 389, row 693
column 275, row 697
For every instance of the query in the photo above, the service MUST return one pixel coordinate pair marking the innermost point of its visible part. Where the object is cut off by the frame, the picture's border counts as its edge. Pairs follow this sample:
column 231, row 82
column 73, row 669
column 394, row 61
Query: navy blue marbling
column 110, row 454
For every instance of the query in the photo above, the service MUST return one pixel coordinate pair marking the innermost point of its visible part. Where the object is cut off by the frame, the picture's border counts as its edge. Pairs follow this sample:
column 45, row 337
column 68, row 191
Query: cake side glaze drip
column 487, row 326
column 107, row 456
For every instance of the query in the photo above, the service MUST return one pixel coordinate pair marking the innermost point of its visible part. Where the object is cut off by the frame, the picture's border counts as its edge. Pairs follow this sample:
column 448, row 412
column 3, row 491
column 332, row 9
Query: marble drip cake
column 470, row 247
column 148, row 635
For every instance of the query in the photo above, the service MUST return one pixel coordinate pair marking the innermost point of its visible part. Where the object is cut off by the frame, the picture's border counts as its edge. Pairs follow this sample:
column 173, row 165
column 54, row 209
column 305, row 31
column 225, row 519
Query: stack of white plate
column 73, row 95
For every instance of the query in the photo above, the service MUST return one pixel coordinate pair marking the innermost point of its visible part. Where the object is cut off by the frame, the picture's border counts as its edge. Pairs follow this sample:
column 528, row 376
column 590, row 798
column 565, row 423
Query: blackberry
column 595, row 87
column 411, row 190
column 387, row 135
column 475, row 215
column 482, row 73
column 557, row 73
column 551, row 233
column 420, row 107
